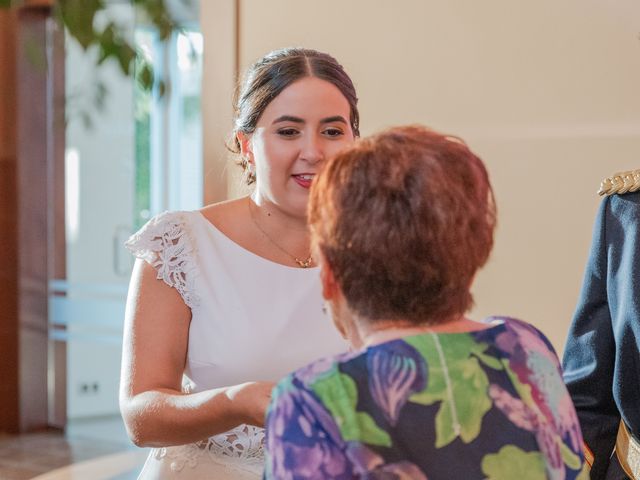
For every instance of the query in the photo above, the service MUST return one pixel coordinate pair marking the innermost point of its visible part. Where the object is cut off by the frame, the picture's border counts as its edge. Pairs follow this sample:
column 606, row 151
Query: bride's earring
column 250, row 169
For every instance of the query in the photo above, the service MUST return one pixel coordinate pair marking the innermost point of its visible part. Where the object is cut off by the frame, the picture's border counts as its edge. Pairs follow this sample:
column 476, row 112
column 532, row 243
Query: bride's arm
column 155, row 411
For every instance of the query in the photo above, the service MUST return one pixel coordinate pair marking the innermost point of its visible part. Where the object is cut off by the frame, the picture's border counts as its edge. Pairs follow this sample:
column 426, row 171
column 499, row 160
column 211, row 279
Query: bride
column 225, row 300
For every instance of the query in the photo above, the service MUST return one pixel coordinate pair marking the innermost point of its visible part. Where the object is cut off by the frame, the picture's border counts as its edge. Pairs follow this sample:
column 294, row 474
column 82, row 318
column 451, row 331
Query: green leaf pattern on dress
column 514, row 463
column 339, row 394
column 469, row 384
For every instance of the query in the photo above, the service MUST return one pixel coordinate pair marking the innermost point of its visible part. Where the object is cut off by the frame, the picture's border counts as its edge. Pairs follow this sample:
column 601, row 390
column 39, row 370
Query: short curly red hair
column 404, row 219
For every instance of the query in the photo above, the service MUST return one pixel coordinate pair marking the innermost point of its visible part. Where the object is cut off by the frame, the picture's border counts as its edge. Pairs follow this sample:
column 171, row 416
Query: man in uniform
column 602, row 355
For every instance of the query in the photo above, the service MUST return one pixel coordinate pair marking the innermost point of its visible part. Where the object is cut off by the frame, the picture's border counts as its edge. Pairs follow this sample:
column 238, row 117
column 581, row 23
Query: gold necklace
column 306, row 263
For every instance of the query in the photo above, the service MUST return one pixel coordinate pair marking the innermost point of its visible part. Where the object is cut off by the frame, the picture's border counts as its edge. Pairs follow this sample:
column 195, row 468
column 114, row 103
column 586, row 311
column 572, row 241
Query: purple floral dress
column 489, row 404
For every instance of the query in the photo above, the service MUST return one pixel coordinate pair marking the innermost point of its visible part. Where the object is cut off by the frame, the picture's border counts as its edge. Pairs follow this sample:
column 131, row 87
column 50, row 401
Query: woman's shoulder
column 181, row 226
column 166, row 243
column 225, row 215
column 159, row 231
column 323, row 369
column 523, row 333
column 320, row 385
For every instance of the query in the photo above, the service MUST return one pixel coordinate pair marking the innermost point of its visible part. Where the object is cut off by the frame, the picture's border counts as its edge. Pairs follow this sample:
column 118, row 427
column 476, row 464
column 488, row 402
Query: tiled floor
column 27, row 456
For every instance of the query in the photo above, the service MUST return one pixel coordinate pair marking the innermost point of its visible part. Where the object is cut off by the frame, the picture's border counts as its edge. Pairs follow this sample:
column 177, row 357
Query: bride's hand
column 250, row 401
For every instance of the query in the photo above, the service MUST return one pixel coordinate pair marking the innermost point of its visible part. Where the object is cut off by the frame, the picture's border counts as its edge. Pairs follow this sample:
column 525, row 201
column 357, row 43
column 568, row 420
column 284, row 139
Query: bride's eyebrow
column 337, row 118
column 290, row 118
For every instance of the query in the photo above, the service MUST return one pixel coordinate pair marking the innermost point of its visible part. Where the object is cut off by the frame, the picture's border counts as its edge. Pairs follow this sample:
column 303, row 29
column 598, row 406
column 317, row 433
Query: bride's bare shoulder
column 224, row 215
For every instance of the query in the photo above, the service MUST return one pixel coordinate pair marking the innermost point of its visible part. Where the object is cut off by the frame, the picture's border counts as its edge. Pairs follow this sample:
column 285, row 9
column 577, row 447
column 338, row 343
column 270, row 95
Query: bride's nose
column 311, row 150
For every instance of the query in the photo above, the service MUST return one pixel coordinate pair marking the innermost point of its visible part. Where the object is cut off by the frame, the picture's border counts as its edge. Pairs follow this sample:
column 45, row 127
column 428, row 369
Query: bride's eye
column 333, row 132
column 288, row 132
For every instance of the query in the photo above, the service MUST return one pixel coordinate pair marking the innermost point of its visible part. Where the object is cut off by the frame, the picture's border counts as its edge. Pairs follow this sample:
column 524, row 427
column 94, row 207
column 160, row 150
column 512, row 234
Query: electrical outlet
column 88, row 388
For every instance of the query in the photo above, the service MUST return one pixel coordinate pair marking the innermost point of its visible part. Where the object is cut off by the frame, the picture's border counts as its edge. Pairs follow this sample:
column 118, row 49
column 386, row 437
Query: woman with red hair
column 401, row 222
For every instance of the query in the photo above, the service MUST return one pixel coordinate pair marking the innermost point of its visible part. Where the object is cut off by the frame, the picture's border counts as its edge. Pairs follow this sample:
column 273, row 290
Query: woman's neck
column 268, row 212
column 385, row 331
column 284, row 233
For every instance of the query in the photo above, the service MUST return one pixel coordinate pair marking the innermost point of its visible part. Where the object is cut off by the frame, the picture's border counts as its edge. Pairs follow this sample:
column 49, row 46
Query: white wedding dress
column 252, row 319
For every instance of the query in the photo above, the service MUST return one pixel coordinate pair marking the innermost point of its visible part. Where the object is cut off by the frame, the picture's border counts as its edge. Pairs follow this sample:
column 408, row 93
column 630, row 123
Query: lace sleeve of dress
column 164, row 242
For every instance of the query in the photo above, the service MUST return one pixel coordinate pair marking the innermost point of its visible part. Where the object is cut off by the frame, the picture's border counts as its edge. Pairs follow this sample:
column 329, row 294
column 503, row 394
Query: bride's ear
column 246, row 149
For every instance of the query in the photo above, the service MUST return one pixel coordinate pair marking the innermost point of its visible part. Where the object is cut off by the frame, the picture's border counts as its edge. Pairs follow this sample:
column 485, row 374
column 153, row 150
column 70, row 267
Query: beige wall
column 219, row 70
column 547, row 93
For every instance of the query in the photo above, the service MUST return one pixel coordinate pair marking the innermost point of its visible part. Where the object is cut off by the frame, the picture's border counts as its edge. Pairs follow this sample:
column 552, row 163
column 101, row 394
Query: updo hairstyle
column 274, row 72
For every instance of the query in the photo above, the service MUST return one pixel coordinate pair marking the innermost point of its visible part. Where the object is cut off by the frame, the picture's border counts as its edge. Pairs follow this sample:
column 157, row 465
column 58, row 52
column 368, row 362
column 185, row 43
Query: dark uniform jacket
column 602, row 355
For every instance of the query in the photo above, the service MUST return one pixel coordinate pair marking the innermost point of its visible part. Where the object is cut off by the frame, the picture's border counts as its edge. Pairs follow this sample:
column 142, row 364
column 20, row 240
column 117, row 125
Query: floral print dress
column 489, row 404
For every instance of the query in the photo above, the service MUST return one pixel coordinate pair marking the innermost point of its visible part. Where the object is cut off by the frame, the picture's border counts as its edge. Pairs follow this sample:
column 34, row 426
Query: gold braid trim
column 620, row 183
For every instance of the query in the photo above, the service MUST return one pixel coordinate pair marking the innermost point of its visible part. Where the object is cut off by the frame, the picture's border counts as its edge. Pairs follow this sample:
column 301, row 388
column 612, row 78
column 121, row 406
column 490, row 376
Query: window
column 168, row 127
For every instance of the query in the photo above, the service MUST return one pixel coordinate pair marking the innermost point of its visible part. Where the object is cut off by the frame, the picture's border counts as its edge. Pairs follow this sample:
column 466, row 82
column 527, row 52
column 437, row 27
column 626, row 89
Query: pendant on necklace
column 304, row 263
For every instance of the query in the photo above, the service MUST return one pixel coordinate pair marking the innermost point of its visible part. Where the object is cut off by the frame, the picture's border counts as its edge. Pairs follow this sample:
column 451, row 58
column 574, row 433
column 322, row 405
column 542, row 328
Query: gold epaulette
column 623, row 182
